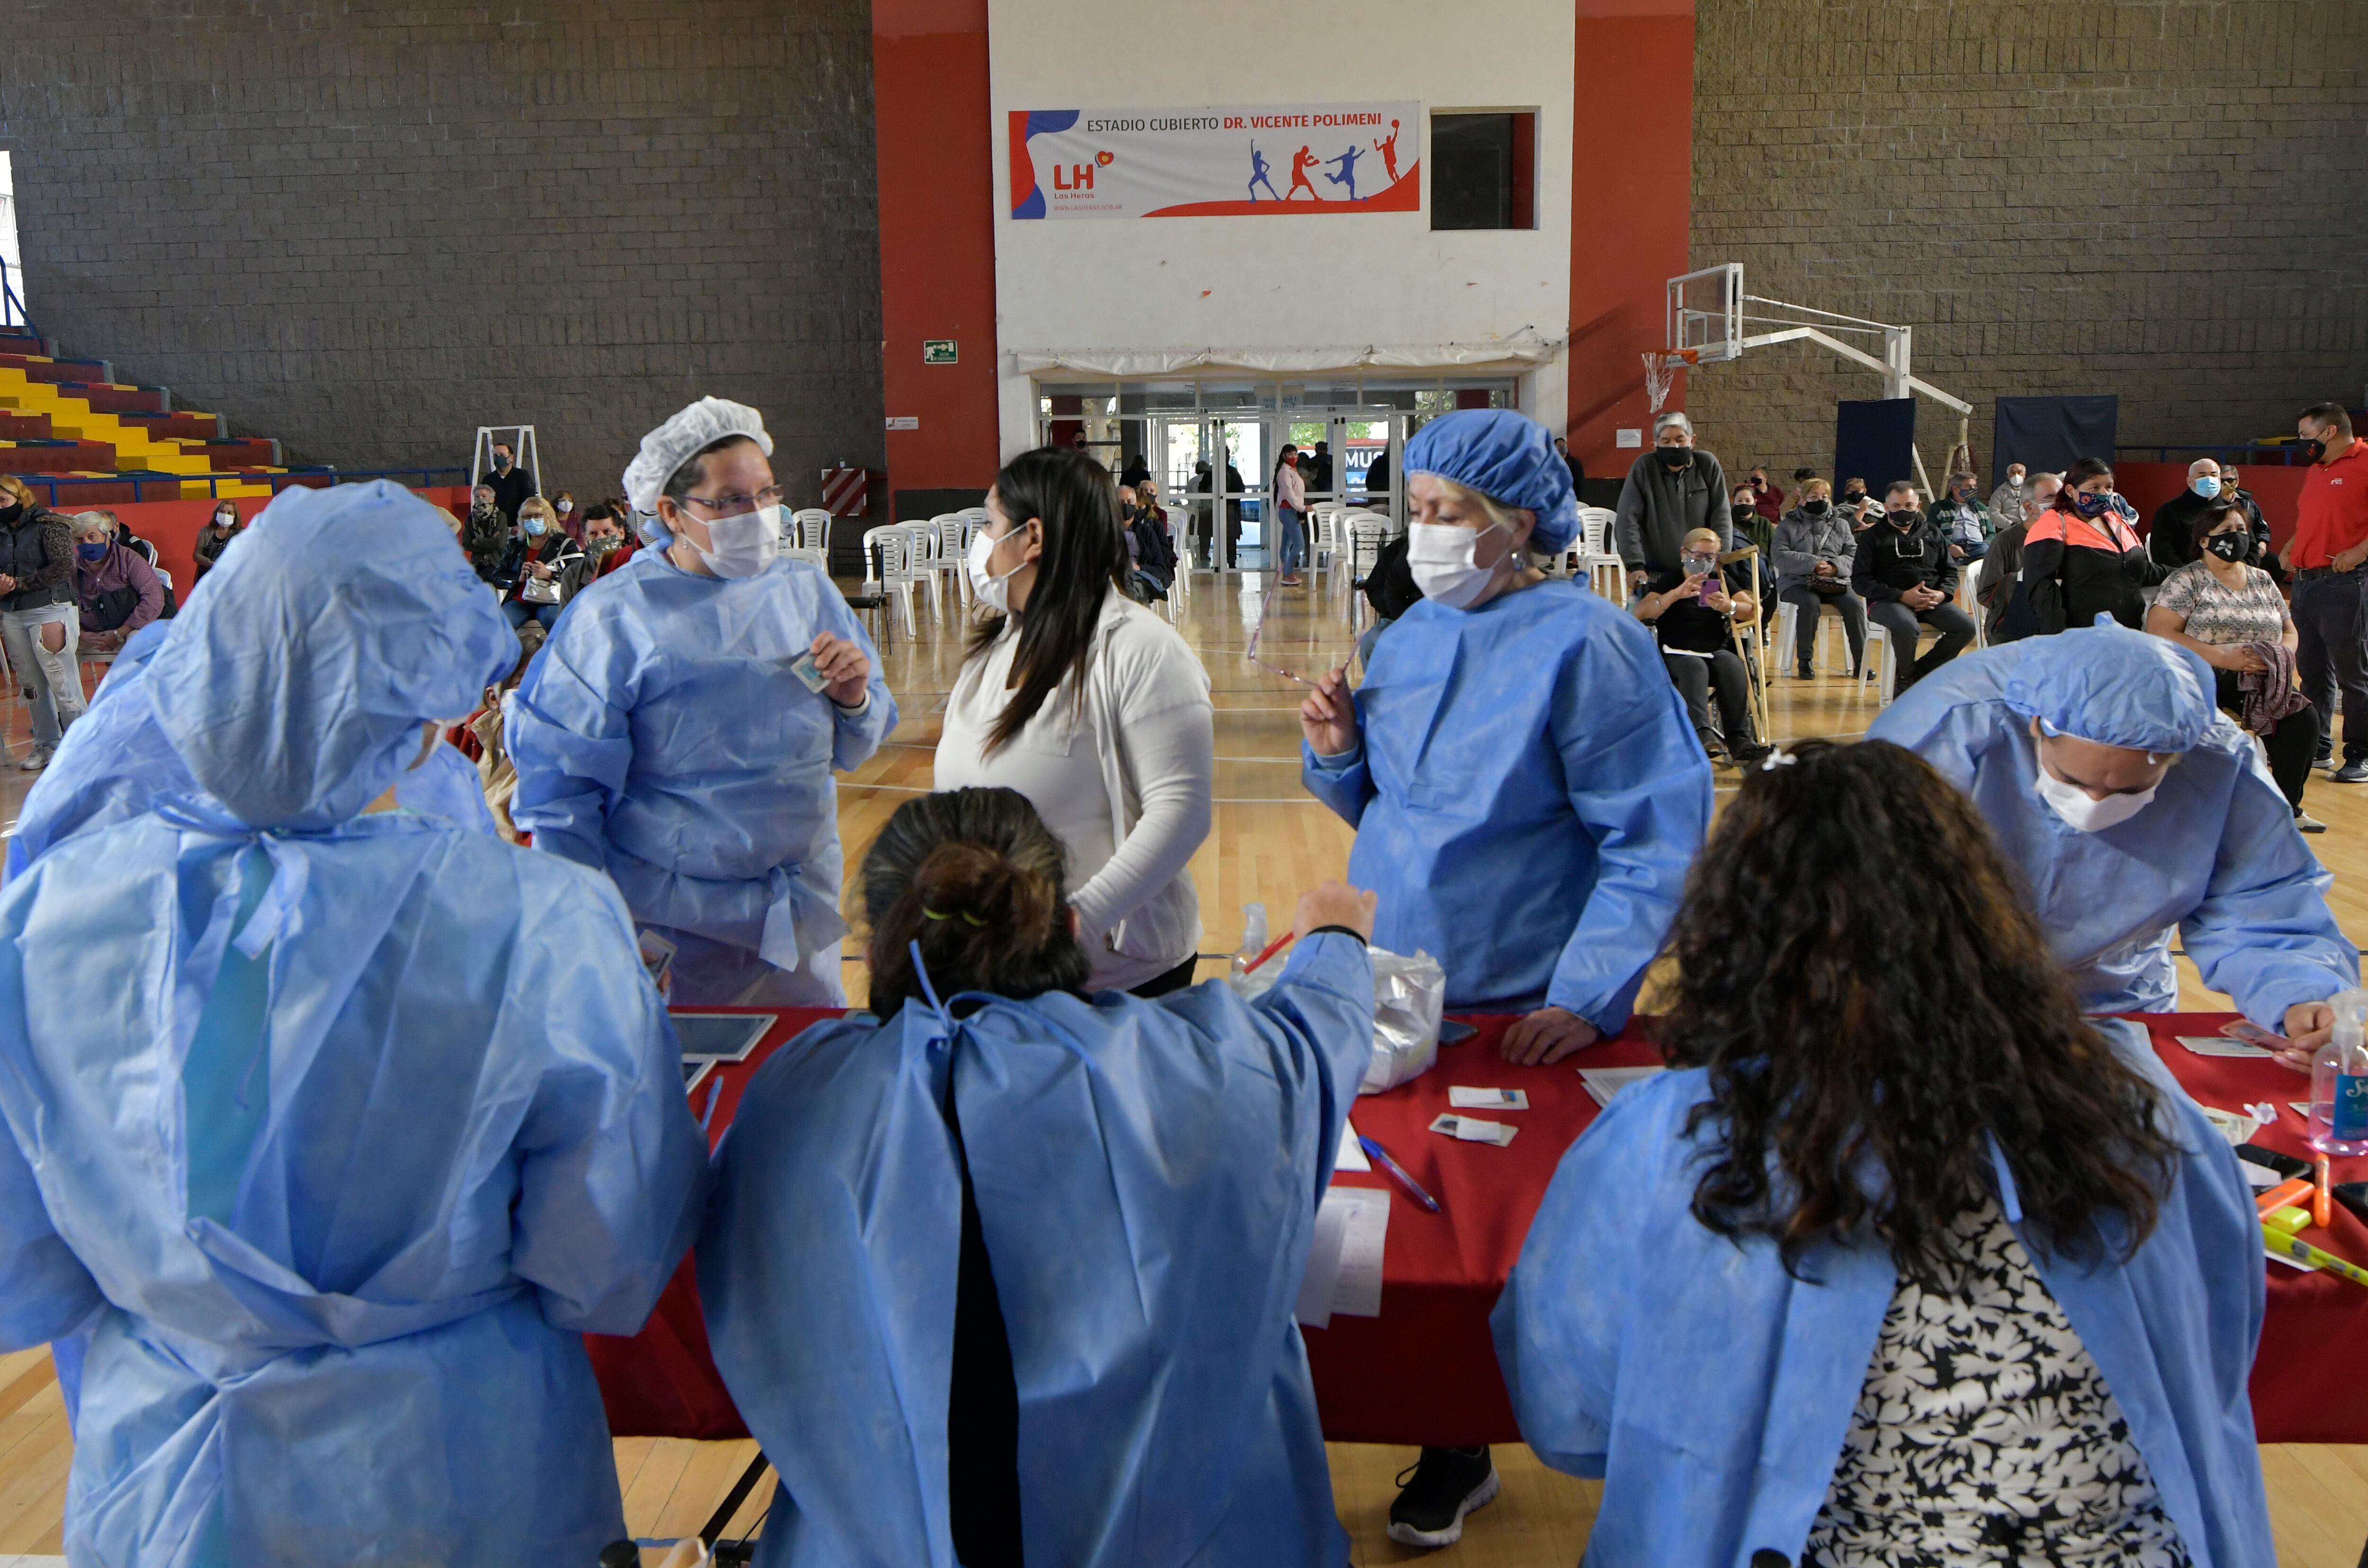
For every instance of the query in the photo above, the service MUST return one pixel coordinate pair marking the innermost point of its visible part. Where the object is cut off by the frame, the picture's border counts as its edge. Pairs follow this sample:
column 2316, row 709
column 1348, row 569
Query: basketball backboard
column 1706, row 312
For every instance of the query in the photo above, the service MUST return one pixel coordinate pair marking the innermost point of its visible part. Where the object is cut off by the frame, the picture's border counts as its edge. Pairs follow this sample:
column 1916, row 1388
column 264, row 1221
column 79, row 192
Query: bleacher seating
column 83, row 439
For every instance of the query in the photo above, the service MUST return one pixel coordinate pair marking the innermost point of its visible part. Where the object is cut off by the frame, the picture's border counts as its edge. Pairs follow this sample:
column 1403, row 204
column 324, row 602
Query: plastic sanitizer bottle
column 1253, row 938
column 2339, row 1081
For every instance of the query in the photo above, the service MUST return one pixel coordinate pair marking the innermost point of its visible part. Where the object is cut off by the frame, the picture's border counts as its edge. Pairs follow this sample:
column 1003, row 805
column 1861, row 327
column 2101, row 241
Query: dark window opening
column 1484, row 171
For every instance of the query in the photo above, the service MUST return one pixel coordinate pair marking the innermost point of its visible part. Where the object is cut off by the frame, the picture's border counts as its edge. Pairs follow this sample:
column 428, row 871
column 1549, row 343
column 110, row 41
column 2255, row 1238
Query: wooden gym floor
column 1269, row 841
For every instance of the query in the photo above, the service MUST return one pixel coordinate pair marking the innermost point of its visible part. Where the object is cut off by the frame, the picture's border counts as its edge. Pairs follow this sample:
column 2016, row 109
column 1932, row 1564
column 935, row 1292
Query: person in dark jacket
column 2263, row 556
column 551, row 567
column 2081, row 558
column 39, row 618
column 1570, row 460
column 1692, row 617
column 1391, row 589
column 2170, row 537
column 1903, row 571
column 115, row 588
column 214, row 538
column 491, row 541
column 2006, row 608
column 510, row 483
column 1234, row 489
column 1671, row 491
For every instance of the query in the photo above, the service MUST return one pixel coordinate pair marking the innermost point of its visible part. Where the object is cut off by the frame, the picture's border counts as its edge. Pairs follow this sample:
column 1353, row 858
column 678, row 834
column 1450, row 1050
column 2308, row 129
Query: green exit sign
column 939, row 351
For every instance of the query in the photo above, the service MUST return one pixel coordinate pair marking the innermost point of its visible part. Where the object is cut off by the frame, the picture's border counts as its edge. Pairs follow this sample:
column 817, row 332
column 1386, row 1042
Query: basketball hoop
column 1661, row 366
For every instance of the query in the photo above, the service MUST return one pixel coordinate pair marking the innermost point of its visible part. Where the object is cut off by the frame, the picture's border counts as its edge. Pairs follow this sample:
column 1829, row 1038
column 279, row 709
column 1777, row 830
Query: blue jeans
column 1292, row 547
column 520, row 612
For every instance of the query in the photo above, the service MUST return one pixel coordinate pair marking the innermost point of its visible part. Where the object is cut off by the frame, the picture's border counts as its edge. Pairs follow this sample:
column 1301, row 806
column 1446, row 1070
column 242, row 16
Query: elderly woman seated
column 1691, row 615
column 116, row 589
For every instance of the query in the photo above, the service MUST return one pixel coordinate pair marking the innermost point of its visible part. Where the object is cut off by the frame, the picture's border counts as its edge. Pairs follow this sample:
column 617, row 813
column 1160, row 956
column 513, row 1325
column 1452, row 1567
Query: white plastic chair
column 952, row 544
column 1878, row 664
column 929, row 562
column 812, row 557
column 1604, row 571
column 888, row 569
column 813, row 525
column 1969, row 596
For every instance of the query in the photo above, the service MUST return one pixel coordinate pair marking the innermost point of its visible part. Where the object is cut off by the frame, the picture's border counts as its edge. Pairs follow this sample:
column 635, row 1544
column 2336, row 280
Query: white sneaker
column 2305, row 823
column 38, row 759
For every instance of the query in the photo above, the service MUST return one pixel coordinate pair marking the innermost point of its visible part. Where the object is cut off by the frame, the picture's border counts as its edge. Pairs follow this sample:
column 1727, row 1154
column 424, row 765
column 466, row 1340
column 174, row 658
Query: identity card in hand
column 806, row 670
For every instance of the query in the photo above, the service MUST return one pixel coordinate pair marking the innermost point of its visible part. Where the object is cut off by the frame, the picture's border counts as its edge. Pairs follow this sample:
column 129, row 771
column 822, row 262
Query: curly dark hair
column 1870, row 1024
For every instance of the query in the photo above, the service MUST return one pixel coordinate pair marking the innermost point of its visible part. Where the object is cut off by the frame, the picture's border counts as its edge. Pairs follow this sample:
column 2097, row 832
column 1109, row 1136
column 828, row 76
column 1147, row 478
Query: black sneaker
column 1447, row 1484
column 1807, row 674
column 2353, row 771
column 1747, row 756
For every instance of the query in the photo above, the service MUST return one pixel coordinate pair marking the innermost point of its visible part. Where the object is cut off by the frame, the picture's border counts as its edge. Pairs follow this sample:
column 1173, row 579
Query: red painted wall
column 172, row 526
column 936, row 238
column 1632, row 176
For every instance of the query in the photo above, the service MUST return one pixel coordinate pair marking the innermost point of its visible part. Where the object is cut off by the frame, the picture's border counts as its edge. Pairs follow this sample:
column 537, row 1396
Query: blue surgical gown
column 1146, row 1178
column 1711, row 1389
column 660, row 737
column 2214, row 856
column 1527, row 796
column 345, row 1135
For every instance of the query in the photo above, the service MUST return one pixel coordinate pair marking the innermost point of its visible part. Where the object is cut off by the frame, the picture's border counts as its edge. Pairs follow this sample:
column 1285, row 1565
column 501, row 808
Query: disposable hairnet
column 294, row 685
column 1506, row 457
column 2116, row 687
column 674, row 443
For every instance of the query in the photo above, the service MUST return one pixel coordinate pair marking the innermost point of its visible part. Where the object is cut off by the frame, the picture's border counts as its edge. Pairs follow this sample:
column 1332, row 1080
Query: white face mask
column 565, row 508
column 2084, row 814
column 1441, row 557
column 745, row 543
column 993, row 592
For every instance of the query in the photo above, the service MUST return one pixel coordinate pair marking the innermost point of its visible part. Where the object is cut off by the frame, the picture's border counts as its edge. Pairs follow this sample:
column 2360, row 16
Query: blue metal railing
column 2241, row 453
column 426, row 477
column 12, row 308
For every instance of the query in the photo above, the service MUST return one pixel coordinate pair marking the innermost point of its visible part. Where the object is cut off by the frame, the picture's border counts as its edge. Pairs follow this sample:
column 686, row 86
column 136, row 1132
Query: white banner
column 1216, row 162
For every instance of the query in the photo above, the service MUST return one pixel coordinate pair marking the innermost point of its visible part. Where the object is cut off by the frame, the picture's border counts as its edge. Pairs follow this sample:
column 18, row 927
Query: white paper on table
column 1358, row 1292
column 2301, row 1109
column 2259, row 1175
column 1465, row 1099
column 2217, row 1045
column 1321, row 1281
column 1351, row 1156
column 1605, row 1081
column 1472, row 1130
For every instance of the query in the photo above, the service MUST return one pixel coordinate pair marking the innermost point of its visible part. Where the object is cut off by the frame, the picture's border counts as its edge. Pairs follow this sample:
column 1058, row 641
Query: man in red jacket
column 2327, row 557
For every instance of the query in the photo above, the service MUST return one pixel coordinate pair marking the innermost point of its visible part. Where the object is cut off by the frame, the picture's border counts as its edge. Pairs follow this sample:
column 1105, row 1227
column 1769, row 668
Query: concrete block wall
column 367, row 227
column 2159, row 198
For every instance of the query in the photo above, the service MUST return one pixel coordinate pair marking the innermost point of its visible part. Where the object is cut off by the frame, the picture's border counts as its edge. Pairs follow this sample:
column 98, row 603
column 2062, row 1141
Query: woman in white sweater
column 1093, row 707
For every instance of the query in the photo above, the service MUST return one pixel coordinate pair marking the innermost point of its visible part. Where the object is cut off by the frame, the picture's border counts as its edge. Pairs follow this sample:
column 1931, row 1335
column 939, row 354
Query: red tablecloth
column 1425, row 1371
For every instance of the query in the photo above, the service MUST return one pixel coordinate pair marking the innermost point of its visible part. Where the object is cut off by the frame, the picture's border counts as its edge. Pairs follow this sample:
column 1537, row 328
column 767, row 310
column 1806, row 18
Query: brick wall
column 367, row 228
column 2161, row 198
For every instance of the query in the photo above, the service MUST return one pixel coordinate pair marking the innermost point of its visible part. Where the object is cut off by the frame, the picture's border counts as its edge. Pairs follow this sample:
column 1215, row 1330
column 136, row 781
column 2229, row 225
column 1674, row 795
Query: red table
column 1425, row 1371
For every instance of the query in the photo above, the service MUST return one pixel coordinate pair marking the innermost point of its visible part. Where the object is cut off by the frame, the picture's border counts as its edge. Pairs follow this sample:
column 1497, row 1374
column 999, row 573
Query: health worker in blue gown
column 1012, row 1277
column 2136, row 808
column 327, row 1126
column 679, row 728
column 1526, row 789
column 124, row 764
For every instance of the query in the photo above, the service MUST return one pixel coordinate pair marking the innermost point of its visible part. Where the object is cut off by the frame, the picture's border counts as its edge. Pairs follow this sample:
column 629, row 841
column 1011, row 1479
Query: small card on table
column 1472, row 1130
column 1464, row 1097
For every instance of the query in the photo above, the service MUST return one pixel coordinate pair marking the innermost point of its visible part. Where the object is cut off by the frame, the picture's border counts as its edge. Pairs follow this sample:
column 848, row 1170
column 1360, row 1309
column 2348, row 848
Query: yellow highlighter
column 2277, row 1240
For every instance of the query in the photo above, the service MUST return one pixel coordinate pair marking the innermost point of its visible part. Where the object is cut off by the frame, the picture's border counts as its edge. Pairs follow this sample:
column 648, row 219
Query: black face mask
column 500, row 461
column 1902, row 521
column 1853, row 496
column 1676, row 460
column 1816, row 507
column 2229, row 546
column 2313, row 451
column 1745, row 513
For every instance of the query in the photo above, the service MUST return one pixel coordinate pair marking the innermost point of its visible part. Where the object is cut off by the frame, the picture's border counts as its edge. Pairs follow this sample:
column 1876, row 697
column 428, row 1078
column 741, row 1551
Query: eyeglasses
column 732, row 506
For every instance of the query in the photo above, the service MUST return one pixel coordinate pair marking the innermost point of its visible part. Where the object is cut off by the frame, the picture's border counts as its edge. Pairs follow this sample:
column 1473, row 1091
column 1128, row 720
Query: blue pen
column 715, row 1093
column 1397, row 1173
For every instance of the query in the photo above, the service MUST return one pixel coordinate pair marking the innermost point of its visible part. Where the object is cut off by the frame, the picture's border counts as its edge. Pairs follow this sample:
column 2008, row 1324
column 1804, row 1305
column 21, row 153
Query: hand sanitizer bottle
column 2339, row 1081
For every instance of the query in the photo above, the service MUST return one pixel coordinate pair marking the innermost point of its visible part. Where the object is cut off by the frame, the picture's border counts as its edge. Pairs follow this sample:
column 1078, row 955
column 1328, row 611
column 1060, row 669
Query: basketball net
column 1661, row 366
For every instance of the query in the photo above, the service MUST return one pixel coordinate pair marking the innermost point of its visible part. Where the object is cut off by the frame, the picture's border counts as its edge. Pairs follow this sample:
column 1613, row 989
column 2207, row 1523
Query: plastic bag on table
column 1409, row 999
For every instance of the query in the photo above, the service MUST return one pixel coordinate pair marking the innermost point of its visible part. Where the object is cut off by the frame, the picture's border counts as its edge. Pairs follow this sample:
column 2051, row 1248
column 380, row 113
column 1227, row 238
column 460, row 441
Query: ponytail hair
column 981, row 884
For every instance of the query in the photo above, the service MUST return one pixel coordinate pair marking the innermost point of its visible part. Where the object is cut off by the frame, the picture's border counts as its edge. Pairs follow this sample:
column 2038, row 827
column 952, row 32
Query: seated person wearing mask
column 379, row 1117
column 2006, row 501
column 2233, row 617
column 2171, row 537
column 115, row 587
column 1525, row 786
column 1963, row 520
column 1023, row 1264
column 1814, row 550
column 2081, row 558
column 1957, row 1285
column 667, row 735
column 1903, row 571
column 2004, row 603
column 1692, row 617
column 2134, row 807
column 214, row 538
column 608, row 538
